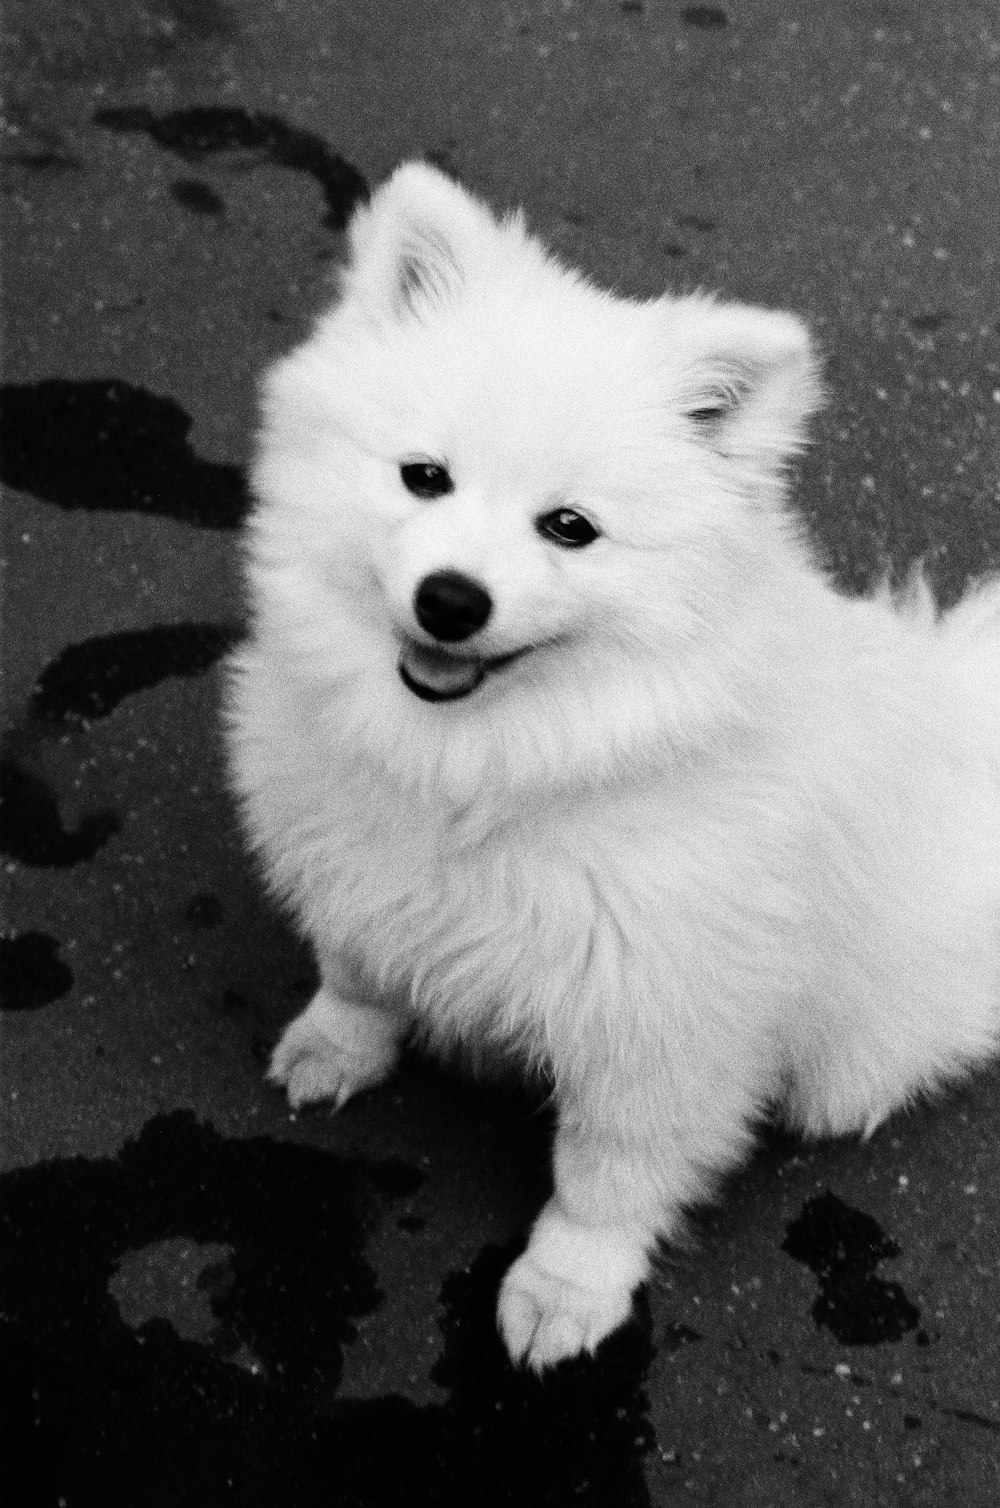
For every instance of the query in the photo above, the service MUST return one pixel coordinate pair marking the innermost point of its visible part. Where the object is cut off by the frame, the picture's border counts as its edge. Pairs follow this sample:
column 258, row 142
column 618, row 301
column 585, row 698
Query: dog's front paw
column 544, row 1319
column 309, row 1067
column 333, row 1051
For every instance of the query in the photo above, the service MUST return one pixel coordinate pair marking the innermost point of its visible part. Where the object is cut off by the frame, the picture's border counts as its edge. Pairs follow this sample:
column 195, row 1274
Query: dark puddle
column 206, row 131
column 707, row 17
column 197, row 197
column 109, row 446
column 930, row 321
column 32, row 829
column 31, row 972
column 700, row 223
column 102, row 445
column 674, row 1337
column 843, row 1247
column 89, row 679
column 49, row 160
column 124, row 1391
column 203, row 910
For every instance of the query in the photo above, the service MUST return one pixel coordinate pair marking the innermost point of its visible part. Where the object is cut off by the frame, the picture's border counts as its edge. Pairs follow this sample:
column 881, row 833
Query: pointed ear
column 750, row 379
column 412, row 244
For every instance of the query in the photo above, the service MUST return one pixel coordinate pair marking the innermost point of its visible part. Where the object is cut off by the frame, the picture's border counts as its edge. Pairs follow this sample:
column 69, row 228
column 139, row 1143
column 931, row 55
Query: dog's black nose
column 451, row 606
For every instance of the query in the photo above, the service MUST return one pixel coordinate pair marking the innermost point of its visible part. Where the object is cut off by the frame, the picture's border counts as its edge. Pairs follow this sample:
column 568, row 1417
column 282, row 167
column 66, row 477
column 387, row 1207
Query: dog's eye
column 426, row 478
column 566, row 527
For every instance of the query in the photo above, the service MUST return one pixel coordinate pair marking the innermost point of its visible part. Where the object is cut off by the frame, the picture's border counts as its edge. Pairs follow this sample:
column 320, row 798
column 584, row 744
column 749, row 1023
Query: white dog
column 560, row 746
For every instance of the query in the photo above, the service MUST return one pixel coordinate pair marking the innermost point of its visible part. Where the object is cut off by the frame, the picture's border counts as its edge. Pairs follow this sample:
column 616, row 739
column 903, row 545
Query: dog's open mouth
column 436, row 675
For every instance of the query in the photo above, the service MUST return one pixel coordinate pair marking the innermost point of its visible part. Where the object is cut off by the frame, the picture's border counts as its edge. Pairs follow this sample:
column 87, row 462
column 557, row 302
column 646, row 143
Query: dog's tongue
column 437, row 676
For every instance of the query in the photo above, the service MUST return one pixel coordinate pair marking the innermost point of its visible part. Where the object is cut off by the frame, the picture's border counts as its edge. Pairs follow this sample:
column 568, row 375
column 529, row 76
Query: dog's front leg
column 340, row 1044
column 620, row 1184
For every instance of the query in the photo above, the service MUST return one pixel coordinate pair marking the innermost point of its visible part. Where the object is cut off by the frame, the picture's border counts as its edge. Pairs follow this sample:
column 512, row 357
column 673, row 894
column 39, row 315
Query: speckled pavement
column 204, row 1300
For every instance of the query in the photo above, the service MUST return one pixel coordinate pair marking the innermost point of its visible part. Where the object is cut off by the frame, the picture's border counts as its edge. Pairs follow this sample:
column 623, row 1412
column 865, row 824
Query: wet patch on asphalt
column 844, row 1247
column 197, row 197
column 207, row 131
column 31, row 972
column 32, row 829
column 89, row 679
column 176, row 1318
column 109, row 446
column 705, row 17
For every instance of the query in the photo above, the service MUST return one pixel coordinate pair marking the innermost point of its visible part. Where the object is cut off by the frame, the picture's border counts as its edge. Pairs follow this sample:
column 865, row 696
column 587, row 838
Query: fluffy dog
column 561, row 748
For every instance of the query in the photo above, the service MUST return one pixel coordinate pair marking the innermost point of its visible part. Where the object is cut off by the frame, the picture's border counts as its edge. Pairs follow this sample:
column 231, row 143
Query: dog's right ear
column 412, row 244
column 749, row 378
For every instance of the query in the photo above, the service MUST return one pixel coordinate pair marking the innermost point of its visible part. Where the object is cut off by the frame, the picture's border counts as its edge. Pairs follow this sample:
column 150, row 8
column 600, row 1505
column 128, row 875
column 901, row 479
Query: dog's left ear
column 750, row 379
column 413, row 243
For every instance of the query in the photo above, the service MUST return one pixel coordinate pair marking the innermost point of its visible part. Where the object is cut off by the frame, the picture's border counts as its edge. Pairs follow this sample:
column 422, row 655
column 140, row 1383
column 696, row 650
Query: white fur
column 723, row 840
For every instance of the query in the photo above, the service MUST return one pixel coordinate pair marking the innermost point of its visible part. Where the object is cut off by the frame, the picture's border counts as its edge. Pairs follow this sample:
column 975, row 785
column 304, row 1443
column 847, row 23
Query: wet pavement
column 204, row 1299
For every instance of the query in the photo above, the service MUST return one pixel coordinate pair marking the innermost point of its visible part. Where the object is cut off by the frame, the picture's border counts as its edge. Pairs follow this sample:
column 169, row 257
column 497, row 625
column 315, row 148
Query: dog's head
column 502, row 509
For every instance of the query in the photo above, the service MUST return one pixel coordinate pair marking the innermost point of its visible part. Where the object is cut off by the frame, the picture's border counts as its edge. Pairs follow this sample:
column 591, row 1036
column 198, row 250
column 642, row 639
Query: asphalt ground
column 204, row 1299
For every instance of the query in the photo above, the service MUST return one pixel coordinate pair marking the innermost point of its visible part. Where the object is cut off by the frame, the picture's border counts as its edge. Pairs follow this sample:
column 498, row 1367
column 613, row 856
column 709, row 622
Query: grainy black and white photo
column 500, row 784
